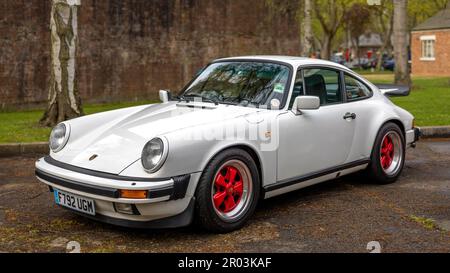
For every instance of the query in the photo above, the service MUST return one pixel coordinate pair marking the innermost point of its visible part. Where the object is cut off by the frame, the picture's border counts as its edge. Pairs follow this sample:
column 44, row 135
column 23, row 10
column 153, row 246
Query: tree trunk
column 307, row 34
column 358, row 55
column 386, row 36
column 63, row 99
column 380, row 58
column 402, row 75
column 325, row 52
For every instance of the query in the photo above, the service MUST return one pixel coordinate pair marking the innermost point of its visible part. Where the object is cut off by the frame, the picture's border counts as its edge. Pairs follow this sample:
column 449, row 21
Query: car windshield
column 241, row 83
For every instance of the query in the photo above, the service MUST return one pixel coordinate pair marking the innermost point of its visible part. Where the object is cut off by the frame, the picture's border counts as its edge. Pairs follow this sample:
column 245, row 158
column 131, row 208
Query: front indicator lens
column 133, row 194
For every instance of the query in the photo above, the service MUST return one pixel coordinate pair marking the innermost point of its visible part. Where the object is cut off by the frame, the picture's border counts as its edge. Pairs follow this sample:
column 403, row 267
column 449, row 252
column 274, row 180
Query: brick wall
column 129, row 49
column 441, row 65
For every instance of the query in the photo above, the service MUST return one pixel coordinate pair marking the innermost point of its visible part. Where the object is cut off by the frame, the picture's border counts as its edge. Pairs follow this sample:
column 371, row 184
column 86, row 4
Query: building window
column 428, row 52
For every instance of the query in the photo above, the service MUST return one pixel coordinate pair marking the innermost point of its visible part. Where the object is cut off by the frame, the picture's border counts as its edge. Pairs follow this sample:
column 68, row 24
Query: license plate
column 74, row 202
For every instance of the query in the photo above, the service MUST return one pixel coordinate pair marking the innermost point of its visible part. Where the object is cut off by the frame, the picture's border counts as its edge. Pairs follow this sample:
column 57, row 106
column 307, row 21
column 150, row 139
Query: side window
column 355, row 89
column 298, row 88
column 323, row 83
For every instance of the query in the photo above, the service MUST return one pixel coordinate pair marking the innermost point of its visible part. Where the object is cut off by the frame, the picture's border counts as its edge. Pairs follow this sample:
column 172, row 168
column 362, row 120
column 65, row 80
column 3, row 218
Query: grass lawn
column 429, row 102
column 23, row 126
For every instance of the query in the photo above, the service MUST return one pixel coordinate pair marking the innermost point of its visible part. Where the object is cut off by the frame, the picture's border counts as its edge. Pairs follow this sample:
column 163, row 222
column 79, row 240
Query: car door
column 357, row 97
column 318, row 139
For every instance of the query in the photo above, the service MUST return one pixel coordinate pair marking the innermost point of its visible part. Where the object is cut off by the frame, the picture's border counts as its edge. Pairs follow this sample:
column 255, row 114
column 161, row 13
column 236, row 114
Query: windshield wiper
column 181, row 98
column 204, row 99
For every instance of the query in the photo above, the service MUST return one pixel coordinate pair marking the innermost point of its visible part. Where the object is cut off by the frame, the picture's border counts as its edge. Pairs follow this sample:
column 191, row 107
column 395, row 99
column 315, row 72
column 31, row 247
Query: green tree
column 330, row 15
column 419, row 10
column 357, row 18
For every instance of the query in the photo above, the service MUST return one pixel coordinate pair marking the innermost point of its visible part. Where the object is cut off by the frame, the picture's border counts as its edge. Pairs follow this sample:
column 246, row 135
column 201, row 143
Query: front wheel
column 228, row 191
column 388, row 156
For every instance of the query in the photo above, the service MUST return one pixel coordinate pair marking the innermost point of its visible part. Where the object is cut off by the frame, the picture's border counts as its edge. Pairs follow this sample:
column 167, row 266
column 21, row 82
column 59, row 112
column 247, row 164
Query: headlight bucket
column 59, row 137
column 154, row 154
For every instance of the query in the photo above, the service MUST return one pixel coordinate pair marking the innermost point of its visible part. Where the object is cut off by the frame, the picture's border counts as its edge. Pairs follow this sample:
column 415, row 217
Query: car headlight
column 154, row 154
column 59, row 137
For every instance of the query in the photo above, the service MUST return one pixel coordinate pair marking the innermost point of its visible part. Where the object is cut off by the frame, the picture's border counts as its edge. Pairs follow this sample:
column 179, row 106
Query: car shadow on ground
column 340, row 215
column 269, row 206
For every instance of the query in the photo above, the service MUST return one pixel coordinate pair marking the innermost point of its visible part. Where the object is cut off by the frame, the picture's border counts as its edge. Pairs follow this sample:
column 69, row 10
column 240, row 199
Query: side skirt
column 303, row 181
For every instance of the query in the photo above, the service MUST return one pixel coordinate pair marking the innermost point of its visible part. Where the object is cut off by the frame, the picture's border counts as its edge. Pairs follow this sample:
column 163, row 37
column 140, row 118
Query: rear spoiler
column 392, row 90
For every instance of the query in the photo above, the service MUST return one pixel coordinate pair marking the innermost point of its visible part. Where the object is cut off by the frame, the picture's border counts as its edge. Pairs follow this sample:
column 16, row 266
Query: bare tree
column 384, row 25
column 402, row 75
column 357, row 18
column 307, row 33
column 63, row 99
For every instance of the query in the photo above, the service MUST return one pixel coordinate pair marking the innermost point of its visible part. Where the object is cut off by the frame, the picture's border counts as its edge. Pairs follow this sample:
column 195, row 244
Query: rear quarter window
column 355, row 89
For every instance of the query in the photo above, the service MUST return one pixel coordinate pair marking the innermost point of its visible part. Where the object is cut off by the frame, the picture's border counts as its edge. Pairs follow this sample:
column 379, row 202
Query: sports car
column 244, row 129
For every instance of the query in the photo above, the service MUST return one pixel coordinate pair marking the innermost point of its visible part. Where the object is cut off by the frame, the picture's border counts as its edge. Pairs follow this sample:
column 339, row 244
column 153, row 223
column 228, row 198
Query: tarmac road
column 412, row 215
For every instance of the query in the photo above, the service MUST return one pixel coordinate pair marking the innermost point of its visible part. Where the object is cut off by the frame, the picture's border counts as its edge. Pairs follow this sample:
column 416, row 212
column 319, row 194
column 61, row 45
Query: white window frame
column 428, row 48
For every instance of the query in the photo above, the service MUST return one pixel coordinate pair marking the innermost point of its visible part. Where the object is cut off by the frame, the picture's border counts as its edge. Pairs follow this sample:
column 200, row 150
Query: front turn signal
column 134, row 194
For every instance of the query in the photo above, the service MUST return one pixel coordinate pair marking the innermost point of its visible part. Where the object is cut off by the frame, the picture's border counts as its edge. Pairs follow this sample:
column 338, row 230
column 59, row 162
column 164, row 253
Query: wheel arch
column 396, row 121
column 245, row 147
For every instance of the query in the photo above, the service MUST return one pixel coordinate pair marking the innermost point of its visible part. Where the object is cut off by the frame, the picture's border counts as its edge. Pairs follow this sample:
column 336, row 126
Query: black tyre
column 228, row 191
column 388, row 155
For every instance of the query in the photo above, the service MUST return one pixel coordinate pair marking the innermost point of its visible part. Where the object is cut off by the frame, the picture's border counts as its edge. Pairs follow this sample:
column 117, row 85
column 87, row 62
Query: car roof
column 294, row 61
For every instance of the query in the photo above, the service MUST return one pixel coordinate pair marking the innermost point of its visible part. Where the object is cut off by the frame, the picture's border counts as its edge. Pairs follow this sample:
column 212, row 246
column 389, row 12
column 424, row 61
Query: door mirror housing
column 164, row 96
column 305, row 103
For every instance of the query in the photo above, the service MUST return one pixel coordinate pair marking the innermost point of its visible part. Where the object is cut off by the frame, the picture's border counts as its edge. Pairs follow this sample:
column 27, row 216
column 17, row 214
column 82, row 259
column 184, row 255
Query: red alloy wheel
column 387, row 153
column 229, row 188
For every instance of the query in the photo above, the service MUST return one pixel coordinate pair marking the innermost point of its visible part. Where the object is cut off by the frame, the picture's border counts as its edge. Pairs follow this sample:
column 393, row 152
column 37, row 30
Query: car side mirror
column 302, row 103
column 164, row 96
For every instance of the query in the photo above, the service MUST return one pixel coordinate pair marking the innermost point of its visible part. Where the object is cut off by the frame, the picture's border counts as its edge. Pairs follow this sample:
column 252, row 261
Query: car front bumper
column 170, row 201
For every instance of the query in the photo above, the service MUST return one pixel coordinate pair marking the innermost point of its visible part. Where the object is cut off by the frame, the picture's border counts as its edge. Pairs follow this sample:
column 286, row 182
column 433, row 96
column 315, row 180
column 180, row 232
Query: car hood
column 117, row 138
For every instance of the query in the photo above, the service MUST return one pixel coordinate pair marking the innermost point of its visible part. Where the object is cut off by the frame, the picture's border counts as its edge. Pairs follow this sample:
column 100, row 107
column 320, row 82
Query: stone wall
column 129, row 49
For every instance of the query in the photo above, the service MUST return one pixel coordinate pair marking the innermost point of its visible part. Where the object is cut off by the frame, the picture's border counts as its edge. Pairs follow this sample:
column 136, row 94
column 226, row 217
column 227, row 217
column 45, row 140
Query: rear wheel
column 388, row 156
column 228, row 191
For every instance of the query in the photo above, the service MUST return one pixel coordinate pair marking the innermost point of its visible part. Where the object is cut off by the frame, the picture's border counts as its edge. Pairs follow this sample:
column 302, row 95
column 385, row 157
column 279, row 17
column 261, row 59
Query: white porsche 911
column 244, row 129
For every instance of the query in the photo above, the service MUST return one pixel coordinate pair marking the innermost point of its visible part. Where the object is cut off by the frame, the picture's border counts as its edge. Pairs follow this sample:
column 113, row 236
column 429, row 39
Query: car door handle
column 350, row 116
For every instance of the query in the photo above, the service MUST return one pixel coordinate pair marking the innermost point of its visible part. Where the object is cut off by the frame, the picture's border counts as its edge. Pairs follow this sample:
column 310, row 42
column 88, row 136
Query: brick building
column 430, row 46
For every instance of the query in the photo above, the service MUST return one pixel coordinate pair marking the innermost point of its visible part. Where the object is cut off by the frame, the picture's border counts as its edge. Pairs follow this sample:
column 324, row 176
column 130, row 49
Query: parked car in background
column 365, row 63
column 338, row 58
column 370, row 63
column 362, row 63
column 389, row 64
